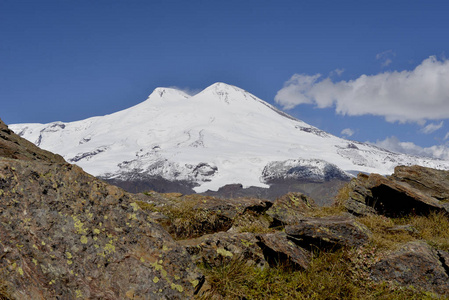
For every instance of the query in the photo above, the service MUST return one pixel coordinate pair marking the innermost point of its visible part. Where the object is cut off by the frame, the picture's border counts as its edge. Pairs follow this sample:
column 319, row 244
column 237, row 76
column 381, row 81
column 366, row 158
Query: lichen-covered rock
column 192, row 216
column 417, row 264
column 290, row 209
column 66, row 235
column 279, row 250
column 328, row 232
column 263, row 250
column 358, row 208
column 13, row 146
column 220, row 248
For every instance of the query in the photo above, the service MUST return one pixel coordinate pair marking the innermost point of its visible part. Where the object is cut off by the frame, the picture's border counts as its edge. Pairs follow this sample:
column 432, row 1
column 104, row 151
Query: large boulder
column 416, row 264
column 328, row 233
column 279, row 250
column 65, row 235
column 433, row 183
column 290, row 209
column 390, row 196
column 221, row 248
column 263, row 250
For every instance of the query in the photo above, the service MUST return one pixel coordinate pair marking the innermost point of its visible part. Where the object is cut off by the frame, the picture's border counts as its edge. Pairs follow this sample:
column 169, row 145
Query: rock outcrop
column 400, row 194
column 417, row 264
column 331, row 233
column 13, row 146
column 431, row 182
column 220, row 248
column 290, row 209
column 197, row 215
column 65, row 234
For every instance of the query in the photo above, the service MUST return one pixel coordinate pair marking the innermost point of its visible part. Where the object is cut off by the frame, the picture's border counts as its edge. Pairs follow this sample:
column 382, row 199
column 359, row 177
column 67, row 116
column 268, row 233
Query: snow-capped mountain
column 219, row 136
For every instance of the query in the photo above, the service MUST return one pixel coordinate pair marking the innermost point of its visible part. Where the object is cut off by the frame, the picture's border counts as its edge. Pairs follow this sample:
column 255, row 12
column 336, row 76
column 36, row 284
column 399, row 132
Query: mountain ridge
column 221, row 135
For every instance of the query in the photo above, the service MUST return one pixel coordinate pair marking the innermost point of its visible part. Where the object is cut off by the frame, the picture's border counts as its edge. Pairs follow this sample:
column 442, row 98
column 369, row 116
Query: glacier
column 222, row 135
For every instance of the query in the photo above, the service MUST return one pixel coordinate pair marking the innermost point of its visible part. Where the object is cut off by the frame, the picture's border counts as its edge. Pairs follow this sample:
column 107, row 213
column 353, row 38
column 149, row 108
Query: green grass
column 339, row 275
column 185, row 220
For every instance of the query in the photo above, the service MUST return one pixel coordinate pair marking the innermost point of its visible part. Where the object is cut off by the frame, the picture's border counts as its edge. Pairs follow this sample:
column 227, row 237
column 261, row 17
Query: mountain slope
column 220, row 136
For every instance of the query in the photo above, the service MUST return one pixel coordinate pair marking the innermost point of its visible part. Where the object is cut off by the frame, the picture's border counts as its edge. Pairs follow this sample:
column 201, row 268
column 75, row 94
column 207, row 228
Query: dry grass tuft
column 186, row 220
column 433, row 228
column 339, row 275
column 384, row 237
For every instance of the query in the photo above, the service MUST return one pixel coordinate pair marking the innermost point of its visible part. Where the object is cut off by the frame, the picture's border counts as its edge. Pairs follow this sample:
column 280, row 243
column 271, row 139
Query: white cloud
column 387, row 62
column 394, row 144
column 347, row 132
column 446, row 136
column 407, row 96
column 386, row 57
column 383, row 54
column 337, row 72
column 187, row 90
column 432, row 127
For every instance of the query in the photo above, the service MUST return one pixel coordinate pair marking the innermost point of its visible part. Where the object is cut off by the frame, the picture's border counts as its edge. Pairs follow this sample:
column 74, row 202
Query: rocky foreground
column 65, row 234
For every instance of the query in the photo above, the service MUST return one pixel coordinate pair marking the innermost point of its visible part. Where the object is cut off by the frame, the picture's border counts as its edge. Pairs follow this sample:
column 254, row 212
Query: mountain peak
column 221, row 86
column 224, row 92
column 167, row 93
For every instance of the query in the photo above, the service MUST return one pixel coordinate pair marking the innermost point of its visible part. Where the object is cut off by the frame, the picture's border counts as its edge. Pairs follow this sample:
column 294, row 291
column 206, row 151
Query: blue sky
column 384, row 75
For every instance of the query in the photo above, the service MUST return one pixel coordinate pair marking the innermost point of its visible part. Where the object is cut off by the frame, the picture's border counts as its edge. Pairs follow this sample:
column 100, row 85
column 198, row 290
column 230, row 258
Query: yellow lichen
column 224, row 252
column 79, row 226
column 156, row 266
column 164, row 273
column 109, row 248
column 135, row 206
column 156, row 279
column 78, row 294
column 246, row 243
column 69, row 262
column 96, row 231
column 20, row 271
column 83, row 239
column 177, row 287
column 68, row 255
column 194, row 282
column 142, row 259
